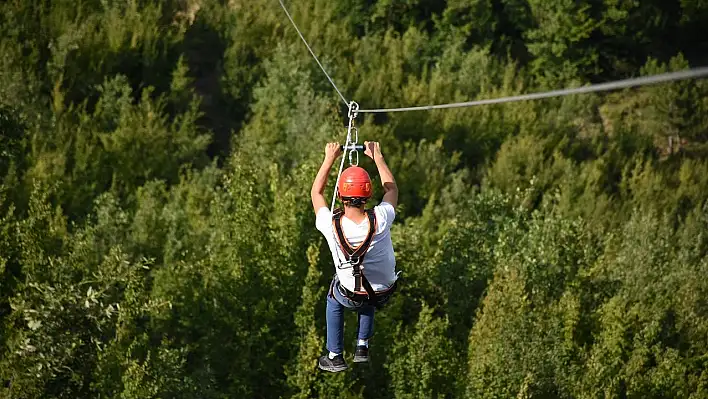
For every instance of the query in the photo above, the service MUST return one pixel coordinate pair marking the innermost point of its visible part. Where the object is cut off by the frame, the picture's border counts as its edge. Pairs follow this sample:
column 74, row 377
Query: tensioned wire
column 609, row 86
column 616, row 85
column 313, row 54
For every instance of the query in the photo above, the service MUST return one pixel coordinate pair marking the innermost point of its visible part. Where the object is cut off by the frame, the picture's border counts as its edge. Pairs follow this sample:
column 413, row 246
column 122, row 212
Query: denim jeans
column 335, row 319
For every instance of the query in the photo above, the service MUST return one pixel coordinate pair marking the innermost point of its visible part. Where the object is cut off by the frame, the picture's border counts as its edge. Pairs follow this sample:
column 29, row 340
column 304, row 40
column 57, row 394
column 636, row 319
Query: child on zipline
column 360, row 242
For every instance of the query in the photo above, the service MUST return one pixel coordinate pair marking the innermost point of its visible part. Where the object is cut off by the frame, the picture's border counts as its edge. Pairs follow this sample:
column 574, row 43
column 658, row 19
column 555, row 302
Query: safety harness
column 354, row 256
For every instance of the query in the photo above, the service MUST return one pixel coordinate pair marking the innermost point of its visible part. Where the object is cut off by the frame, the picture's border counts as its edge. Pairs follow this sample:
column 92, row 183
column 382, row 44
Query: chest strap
column 355, row 255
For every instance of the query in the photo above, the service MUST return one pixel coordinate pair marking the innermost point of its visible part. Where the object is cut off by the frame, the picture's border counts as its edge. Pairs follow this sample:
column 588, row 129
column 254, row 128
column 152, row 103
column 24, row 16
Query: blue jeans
column 335, row 319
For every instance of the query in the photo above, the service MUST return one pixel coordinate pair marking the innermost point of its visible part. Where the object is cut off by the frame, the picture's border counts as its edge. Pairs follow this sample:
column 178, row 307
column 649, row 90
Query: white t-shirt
column 379, row 265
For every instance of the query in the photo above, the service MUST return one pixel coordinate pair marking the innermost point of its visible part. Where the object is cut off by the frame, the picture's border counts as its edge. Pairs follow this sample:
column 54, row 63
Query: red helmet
column 354, row 183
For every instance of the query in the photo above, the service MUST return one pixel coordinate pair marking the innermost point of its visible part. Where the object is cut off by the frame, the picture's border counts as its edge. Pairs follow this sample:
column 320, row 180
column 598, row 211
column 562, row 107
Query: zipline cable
column 620, row 84
column 313, row 54
column 349, row 145
column 609, row 86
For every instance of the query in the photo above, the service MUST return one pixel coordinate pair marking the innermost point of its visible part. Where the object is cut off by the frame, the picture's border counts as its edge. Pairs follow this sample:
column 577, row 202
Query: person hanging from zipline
column 362, row 251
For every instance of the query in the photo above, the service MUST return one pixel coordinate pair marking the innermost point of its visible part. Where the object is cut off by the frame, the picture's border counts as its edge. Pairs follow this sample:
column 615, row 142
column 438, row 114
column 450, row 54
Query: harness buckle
column 355, row 261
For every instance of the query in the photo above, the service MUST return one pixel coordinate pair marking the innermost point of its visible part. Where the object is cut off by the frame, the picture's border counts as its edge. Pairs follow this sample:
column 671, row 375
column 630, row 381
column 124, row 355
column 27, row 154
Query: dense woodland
column 157, row 238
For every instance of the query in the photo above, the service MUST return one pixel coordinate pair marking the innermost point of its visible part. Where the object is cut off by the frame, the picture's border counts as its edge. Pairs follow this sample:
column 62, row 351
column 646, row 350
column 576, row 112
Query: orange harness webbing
column 355, row 256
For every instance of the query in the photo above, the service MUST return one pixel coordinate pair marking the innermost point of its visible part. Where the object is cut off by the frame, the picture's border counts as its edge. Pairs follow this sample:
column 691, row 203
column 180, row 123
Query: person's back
column 379, row 264
column 364, row 259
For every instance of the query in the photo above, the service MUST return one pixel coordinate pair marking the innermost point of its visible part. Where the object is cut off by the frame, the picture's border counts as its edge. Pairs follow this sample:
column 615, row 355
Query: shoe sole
column 359, row 359
column 332, row 369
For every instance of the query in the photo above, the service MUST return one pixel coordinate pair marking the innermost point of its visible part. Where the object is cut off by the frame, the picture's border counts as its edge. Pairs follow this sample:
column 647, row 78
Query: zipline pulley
column 353, row 110
column 352, row 135
column 350, row 145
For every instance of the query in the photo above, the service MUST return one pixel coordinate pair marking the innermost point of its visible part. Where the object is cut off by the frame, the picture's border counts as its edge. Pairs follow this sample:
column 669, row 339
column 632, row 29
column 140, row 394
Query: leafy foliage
column 156, row 239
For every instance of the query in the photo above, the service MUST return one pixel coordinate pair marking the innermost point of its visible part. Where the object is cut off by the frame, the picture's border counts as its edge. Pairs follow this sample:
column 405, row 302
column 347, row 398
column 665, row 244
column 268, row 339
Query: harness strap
column 380, row 299
column 367, row 286
column 355, row 256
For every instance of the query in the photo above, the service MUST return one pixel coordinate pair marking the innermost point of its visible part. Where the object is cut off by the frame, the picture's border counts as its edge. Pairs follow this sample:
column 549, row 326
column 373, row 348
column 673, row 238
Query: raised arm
column 332, row 151
column 373, row 150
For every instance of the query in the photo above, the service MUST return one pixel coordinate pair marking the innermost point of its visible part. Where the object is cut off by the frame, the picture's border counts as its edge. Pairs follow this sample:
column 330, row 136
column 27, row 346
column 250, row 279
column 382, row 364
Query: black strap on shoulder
column 355, row 256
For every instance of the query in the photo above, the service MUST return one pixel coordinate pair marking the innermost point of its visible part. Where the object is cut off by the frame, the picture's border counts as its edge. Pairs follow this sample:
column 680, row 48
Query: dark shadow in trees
column 204, row 48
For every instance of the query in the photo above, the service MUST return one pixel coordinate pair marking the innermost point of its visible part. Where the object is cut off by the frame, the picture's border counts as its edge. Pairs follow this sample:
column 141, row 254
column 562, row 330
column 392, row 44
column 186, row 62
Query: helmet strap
column 354, row 201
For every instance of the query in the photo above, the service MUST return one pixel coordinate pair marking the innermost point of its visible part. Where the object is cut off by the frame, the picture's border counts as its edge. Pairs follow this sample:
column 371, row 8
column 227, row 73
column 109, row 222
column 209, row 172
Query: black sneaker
column 334, row 365
column 361, row 355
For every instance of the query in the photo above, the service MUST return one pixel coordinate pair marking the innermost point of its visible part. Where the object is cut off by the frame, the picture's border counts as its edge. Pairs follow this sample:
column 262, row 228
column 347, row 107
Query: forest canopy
column 157, row 239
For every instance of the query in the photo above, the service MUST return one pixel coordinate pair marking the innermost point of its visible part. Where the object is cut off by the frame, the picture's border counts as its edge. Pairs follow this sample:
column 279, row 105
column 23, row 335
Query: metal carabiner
column 356, row 135
column 351, row 162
